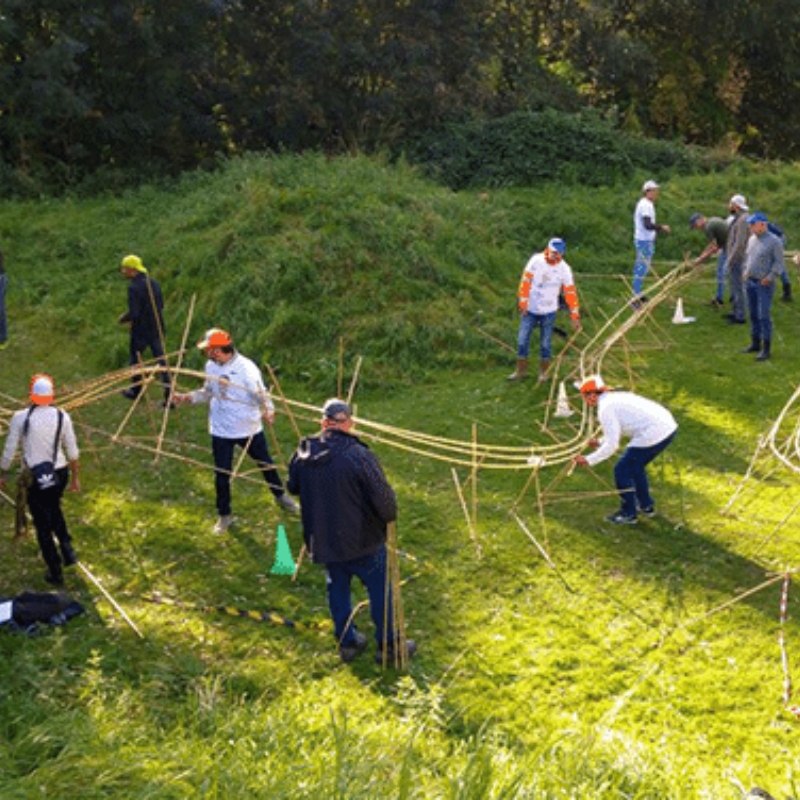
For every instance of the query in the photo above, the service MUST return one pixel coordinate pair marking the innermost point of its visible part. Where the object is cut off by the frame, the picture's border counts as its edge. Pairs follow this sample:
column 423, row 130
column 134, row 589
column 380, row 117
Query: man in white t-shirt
column 645, row 231
column 545, row 277
column 650, row 428
column 238, row 400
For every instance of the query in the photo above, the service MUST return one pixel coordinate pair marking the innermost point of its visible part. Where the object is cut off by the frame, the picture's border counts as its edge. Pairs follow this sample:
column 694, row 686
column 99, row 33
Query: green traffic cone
column 284, row 563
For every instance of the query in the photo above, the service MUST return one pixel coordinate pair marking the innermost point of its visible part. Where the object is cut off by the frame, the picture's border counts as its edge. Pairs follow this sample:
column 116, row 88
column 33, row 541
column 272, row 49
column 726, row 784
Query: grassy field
column 641, row 668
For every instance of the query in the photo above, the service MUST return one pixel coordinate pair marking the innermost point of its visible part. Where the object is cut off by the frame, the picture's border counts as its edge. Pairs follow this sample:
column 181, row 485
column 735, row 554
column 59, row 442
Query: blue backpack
column 773, row 227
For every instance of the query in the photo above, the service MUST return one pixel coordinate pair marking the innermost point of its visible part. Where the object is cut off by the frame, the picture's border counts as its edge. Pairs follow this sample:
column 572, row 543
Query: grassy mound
column 626, row 683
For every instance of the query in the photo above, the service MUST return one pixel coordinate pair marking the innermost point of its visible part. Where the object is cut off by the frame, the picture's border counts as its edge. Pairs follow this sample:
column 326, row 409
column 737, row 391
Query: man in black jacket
column 346, row 504
column 145, row 315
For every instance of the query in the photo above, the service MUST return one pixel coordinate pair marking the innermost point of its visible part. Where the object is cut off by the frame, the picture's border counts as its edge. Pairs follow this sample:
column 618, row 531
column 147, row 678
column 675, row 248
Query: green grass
column 619, row 685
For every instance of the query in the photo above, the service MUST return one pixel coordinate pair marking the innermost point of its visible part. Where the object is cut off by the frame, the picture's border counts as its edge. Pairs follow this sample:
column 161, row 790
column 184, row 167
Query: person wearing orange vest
column 545, row 277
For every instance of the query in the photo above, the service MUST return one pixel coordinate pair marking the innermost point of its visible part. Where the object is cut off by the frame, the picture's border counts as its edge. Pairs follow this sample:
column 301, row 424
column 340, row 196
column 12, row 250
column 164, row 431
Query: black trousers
column 137, row 351
column 48, row 519
column 256, row 448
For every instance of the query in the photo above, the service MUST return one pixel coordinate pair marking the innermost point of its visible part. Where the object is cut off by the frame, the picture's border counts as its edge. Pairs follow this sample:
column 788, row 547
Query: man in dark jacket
column 346, row 505
column 145, row 315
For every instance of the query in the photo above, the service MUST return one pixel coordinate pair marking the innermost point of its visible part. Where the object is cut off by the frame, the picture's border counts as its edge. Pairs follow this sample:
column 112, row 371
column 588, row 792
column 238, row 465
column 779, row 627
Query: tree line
column 145, row 87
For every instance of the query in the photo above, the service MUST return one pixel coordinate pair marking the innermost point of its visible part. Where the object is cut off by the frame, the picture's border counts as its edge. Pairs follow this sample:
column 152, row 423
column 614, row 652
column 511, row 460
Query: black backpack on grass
column 28, row 609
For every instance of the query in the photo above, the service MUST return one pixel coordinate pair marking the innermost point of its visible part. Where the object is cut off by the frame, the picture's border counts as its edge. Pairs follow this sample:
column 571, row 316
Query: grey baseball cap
column 337, row 410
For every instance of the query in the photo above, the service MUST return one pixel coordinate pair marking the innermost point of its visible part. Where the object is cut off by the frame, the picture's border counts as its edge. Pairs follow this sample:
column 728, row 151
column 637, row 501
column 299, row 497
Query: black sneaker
column 411, row 651
column 650, row 511
column 716, row 302
column 734, row 320
column 130, row 394
column 618, row 518
column 68, row 555
column 54, row 578
column 560, row 332
column 349, row 652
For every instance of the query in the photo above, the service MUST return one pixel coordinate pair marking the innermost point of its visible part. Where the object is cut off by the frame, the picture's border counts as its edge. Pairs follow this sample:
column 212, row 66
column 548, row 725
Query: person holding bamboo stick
column 238, row 402
column 347, row 504
column 145, row 315
column 650, row 429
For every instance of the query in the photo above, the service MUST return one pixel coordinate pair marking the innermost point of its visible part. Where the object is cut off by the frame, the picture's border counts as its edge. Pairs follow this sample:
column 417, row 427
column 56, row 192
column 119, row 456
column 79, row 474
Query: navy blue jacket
column 345, row 498
column 144, row 318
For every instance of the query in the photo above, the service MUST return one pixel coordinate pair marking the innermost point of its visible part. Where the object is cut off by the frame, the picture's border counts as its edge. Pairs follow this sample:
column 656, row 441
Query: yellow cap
column 133, row 262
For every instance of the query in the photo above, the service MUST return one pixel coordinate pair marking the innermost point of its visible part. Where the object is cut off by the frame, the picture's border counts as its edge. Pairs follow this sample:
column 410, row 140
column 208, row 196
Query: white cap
column 739, row 201
column 649, row 185
column 42, row 390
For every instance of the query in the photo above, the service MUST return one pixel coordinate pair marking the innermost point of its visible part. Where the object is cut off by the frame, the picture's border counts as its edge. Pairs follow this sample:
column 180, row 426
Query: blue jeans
column 371, row 571
column 721, row 276
column 256, row 448
column 527, row 323
column 3, row 319
column 644, row 255
column 630, row 476
column 737, row 290
column 759, row 304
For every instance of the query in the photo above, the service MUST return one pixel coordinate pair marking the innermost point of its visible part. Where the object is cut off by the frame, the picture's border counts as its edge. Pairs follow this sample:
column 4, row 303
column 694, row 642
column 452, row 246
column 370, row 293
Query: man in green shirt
column 716, row 231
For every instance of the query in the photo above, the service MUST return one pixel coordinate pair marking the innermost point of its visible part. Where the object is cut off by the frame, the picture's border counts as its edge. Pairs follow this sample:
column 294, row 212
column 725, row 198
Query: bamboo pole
column 542, row 551
column 470, row 527
column 110, row 599
column 173, row 376
column 354, row 381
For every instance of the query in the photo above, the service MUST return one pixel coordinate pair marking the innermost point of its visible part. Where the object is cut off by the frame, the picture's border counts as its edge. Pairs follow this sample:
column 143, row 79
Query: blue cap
column 558, row 245
column 695, row 218
column 758, row 216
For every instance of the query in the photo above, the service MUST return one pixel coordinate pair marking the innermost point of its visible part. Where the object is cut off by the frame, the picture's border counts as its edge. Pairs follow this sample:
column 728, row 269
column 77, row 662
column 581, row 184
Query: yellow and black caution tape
column 270, row 617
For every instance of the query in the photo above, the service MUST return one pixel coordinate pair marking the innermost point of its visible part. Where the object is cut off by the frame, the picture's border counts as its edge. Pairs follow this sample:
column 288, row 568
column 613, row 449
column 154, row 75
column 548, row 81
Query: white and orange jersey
column 542, row 283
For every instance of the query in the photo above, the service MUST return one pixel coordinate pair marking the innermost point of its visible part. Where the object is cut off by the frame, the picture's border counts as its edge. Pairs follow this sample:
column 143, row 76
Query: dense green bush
column 526, row 147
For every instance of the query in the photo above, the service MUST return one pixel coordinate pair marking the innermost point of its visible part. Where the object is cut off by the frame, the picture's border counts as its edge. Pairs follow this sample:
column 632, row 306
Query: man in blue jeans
column 346, row 504
column 645, row 230
column 763, row 264
column 545, row 279
column 650, row 428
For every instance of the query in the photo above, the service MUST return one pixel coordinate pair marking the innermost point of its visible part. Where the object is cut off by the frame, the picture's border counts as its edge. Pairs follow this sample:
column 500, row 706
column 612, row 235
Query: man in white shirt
column 645, row 231
column 44, row 432
column 545, row 276
column 237, row 401
column 650, row 428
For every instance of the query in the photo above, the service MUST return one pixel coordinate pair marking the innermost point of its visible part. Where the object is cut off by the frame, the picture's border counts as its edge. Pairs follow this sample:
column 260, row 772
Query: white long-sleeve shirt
column 624, row 414
column 38, row 444
column 237, row 397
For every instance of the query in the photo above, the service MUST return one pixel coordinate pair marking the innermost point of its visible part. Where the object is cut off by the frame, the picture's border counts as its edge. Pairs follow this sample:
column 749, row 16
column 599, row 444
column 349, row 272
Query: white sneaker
column 223, row 523
column 288, row 503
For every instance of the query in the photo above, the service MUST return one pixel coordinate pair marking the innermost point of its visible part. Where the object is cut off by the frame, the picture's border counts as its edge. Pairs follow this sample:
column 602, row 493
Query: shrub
column 526, row 147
